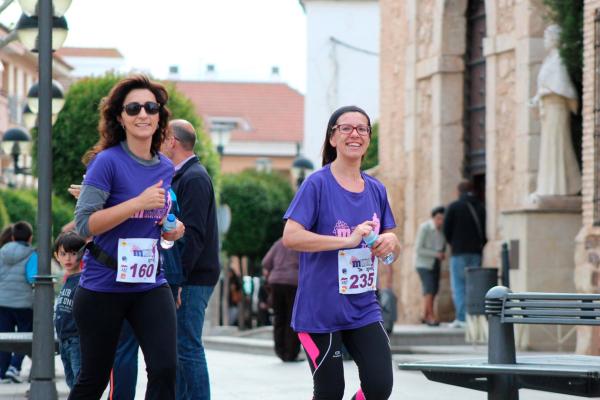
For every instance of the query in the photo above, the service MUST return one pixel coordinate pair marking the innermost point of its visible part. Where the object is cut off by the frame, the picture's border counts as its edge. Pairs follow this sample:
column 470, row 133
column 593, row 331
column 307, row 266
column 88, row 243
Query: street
column 249, row 376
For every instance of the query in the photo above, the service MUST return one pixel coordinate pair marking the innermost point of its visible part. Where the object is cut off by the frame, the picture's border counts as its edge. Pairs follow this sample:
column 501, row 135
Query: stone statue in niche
column 556, row 97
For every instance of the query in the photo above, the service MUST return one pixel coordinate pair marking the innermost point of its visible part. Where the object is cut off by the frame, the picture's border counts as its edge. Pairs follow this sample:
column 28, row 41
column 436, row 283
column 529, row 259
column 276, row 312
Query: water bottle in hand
column 169, row 224
column 370, row 240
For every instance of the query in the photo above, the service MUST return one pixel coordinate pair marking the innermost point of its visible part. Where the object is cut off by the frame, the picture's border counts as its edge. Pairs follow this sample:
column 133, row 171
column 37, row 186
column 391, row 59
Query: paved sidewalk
column 237, row 375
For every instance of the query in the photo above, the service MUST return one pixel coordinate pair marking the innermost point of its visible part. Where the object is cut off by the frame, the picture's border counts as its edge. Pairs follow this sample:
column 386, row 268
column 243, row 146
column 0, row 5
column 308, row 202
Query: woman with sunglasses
column 122, row 203
column 332, row 212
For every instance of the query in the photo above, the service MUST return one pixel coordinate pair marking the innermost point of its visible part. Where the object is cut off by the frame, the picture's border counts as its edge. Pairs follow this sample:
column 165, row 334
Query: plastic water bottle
column 169, row 224
column 370, row 239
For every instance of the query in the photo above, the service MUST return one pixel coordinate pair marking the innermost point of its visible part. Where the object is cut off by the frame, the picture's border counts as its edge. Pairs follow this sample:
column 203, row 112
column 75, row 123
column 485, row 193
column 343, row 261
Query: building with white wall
column 342, row 64
column 91, row 61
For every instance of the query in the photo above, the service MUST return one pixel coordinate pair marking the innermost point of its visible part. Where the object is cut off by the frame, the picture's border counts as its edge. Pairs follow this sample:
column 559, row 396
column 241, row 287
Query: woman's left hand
column 385, row 244
column 176, row 233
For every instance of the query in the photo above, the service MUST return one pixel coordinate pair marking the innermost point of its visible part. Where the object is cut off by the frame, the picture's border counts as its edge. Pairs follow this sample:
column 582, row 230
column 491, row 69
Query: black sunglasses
column 134, row 108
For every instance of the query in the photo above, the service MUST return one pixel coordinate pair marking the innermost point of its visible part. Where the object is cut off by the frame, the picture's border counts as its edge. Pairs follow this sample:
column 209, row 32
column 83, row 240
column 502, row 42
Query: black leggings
column 369, row 346
column 99, row 317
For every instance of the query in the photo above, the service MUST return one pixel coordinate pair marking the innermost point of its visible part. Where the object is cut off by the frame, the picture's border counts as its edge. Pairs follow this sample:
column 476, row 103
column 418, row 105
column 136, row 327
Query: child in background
column 18, row 266
column 66, row 252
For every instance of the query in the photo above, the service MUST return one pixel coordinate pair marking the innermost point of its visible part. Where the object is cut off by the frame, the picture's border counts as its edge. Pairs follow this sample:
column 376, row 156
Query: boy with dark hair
column 18, row 266
column 66, row 252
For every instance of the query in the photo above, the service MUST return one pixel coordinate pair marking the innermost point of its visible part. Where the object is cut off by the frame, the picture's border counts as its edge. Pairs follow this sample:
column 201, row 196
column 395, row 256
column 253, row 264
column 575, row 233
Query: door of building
column 474, row 112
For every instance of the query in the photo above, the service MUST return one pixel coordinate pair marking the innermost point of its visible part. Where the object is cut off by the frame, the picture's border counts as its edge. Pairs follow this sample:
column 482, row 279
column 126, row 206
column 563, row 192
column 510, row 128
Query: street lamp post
column 47, row 15
column 15, row 136
column 221, row 136
column 300, row 167
column 42, row 369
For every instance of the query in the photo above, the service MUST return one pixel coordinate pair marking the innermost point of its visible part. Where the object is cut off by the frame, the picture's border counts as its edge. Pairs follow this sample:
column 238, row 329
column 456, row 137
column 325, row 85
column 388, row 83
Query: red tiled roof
column 273, row 110
column 89, row 52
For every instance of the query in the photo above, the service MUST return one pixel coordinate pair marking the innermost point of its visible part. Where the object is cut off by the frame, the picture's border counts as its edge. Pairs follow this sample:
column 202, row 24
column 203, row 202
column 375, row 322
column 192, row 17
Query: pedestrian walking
column 464, row 228
column 280, row 266
column 199, row 257
column 18, row 267
column 122, row 203
column 332, row 212
column 429, row 254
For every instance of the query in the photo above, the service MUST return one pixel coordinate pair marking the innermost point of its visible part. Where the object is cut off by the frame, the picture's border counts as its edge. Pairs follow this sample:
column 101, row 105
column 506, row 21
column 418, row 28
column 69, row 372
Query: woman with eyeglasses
column 335, row 306
column 122, row 204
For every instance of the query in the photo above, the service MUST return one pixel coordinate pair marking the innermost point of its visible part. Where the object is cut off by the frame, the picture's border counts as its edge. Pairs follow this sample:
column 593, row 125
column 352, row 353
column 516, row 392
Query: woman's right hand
column 359, row 232
column 152, row 197
column 75, row 190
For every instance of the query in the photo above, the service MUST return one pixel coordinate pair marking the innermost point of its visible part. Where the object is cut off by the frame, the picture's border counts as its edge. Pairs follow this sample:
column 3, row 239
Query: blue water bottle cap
column 170, row 223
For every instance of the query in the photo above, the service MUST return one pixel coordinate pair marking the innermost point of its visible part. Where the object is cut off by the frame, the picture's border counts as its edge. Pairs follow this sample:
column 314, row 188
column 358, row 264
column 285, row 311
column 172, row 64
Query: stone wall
column 421, row 129
column 392, row 158
column 587, row 246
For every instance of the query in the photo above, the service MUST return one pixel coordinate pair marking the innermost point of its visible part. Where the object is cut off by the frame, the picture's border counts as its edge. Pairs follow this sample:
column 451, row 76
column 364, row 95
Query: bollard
column 501, row 346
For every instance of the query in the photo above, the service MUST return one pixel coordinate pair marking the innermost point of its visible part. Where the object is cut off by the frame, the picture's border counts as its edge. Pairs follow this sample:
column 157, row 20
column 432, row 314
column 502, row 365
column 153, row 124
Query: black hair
column 69, row 241
column 329, row 152
column 22, row 231
column 438, row 210
column 464, row 187
column 6, row 235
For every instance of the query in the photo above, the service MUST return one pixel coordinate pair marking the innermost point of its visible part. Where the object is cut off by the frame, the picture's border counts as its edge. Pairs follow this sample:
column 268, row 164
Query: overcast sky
column 242, row 38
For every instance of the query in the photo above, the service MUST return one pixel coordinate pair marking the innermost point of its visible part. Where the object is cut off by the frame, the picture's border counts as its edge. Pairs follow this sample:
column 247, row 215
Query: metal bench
column 502, row 374
column 19, row 342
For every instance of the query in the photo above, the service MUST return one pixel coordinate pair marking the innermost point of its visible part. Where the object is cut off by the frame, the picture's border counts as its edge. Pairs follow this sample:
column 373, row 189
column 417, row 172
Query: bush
column 257, row 202
column 22, row 206
column 372, row 156
column 4, row 218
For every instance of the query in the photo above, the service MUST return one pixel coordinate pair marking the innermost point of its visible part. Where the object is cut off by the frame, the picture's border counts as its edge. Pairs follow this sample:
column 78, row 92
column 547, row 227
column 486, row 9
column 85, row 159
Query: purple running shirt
column 323, row 206
column 113, row 170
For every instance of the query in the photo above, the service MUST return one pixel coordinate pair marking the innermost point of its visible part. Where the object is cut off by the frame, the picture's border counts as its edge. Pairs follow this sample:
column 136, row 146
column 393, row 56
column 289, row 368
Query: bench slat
column 552, row 304
column 587, row 367
column 551, row 321
column 554, row 312
column 552, row 296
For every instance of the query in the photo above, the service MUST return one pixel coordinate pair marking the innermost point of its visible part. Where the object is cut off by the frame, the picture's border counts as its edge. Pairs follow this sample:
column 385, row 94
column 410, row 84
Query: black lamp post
column 222, row 135
column 14, row 136
column 300, row 167
column 43, row 29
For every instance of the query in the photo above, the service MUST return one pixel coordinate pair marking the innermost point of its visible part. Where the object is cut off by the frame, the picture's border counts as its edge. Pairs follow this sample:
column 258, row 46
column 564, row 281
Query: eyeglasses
column 134, row 108
column 346, row 129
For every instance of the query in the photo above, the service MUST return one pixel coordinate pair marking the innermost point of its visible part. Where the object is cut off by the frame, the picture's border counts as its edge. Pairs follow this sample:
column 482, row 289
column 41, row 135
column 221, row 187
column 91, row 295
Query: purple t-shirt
column 115, row 171
column 324, row 207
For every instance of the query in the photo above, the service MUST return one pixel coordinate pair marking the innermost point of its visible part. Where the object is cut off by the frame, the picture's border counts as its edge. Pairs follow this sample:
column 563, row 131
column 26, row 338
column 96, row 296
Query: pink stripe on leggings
column 360, row 395
column 309, row 345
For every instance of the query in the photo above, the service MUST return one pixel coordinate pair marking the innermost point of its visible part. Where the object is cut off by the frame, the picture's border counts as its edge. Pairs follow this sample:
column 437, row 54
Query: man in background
column 199, row 257
column 464, row 229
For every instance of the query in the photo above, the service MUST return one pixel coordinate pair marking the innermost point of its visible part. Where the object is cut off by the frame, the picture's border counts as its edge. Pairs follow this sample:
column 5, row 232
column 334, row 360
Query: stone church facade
column 456, row 80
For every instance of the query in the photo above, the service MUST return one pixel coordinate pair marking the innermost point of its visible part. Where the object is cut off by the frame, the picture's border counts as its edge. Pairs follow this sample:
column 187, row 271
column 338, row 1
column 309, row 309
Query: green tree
column 257, row 202
column 76, row 130
column 4, row 217
column 568, row 14
column 372, row 156
column 21, row 205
